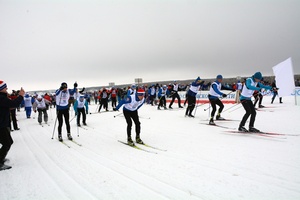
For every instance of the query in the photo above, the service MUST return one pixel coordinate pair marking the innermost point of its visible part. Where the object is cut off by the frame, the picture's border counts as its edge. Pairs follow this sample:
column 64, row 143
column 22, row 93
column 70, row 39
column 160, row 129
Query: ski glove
column 75, row 85
column 224, row 95
column 114, row 109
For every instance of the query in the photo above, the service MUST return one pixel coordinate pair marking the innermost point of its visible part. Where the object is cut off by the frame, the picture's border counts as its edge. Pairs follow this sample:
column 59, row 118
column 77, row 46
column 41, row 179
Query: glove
column 61, row 88
column 87, row 112
column 114, row 109
column 76, row 114
column 75, row 85
column 224, row 95
column 233, row 90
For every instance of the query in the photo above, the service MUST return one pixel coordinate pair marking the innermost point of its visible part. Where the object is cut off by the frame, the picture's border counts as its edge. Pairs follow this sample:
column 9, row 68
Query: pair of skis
column 139, row 147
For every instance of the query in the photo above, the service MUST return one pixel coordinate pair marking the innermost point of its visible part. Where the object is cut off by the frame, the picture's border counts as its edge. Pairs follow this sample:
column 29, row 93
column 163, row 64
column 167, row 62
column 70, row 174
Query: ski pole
column 72, row 118
column 54, row 125
column 56, row 117
column 118, row 115
column 220, row 99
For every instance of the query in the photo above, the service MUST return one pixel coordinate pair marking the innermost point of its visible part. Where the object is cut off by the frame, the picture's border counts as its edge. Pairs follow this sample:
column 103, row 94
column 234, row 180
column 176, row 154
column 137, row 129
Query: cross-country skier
column 214, row 95
column 251, row 84
column 103, row 100
column 40, row 105
column 81, row 107
column 62, row 107
column 130, row 110
column 191, row 96
column 152, row 94
column 275, row 93
column 5, row 137
column 27, row 102
column 113, row 96
column 162, row 93
column 175, row 95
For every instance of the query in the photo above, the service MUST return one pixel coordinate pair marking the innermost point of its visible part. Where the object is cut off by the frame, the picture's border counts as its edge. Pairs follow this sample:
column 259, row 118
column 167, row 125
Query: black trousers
column 6, row 141
column 114, row 102
column 214, row 103
column 250, row 110
column 175, row 96
column 60, row 115
column 135, row 117
column 152, row 98
column 13, row 118
column 79, row 112
column 191, row 104
column 259, row 98
column 162, row 101
column 104, row 103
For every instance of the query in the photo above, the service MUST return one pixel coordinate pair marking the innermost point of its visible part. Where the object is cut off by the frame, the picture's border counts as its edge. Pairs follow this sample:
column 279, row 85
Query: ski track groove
column 145, row 185
column 65, row 174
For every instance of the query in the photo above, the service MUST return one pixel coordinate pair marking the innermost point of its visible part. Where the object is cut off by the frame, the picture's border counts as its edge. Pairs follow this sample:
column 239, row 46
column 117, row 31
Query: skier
column 162, row 93
column 5, row 137
column 275, row 92
column 213, row 96
column 131, row 90
column 41, row 105
column 152, row 94
column 251, row 84
column 13, row 96
column 27, row 102
column 79, row 105
column 259, row 97
column 62, row 107
column 174, row 94
column 191, row 96
column 113, row 97
column 130, row 110
column 103, row 100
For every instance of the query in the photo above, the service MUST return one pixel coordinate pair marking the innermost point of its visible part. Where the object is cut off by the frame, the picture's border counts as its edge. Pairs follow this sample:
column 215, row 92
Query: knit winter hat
column 2, row 85
column 258, row 75
column 219, row 77
column 140, row 92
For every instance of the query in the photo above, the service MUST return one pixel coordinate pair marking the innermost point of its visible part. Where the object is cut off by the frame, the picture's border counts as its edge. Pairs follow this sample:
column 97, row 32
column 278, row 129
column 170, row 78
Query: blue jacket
column 127, row 100
column 215, row 88
column 160, row 91
column 86, row 105
column 196, row 83
column 257, row 88
column 71, row 92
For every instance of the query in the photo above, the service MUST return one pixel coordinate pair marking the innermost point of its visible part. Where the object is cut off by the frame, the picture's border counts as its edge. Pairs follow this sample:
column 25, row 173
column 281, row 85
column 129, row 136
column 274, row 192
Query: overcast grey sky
column 94, row 42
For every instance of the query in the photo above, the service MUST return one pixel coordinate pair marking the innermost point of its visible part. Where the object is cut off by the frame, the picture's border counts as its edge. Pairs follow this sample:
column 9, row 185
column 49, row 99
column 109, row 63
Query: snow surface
column 201, row 161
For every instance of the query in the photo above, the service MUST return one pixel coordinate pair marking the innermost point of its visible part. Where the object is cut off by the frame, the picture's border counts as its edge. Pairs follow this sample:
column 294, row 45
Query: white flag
column 284, row 76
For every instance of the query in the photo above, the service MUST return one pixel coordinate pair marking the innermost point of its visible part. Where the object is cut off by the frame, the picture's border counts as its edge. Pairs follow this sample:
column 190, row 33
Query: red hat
column 140, row 92
column 2, row 85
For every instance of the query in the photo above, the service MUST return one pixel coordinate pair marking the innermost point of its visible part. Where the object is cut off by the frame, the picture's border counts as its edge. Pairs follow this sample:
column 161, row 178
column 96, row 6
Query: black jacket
column 5, row 105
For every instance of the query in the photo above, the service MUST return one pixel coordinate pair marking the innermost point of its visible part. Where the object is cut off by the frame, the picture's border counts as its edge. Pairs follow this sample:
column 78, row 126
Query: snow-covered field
column 201, row 161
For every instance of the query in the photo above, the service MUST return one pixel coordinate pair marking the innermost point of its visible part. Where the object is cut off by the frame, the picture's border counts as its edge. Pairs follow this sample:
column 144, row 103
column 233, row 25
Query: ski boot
column 180, row 107
column 60, row 138
column 84, row 124
column 69, row 137
column 261, row 106
column 138, row 140
column 165, row 108
column 243, row 129
column 192, row 116
column 130, row 141
column 253, row 130
column 170, row 107
column 218, row 117
column 4, row 167
column 158, row 108
column 211, row 121
column 78, row 125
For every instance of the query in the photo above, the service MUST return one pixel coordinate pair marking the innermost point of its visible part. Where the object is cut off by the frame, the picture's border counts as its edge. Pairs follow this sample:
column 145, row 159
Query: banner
column 284, row 77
